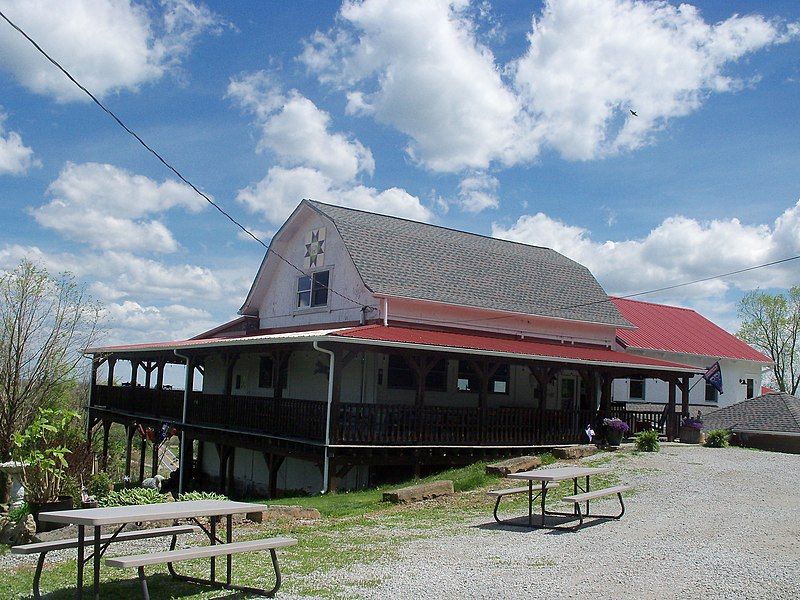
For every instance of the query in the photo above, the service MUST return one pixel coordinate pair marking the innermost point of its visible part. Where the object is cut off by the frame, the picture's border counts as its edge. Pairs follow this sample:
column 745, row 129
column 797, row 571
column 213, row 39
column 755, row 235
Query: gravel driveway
column 703, row 523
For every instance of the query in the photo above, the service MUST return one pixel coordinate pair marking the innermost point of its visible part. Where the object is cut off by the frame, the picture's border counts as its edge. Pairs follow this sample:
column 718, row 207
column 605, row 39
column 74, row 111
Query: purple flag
column 714, row 376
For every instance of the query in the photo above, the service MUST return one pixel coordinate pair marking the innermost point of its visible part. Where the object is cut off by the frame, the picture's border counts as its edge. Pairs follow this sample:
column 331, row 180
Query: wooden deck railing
column 368, row 424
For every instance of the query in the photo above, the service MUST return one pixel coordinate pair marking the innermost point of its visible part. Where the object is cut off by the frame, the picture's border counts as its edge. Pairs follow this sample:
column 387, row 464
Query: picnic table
column 123, row 516
column 549, row 478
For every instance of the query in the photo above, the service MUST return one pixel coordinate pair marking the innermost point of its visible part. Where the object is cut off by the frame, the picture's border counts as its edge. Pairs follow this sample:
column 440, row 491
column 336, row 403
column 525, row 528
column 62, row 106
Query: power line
column 161, row 159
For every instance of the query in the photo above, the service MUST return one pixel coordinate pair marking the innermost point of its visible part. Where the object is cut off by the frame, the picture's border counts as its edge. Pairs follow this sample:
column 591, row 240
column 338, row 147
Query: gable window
column 636, row 388
column 468, row 380
column 711, row 393
column 312, row 290
column 750, row 389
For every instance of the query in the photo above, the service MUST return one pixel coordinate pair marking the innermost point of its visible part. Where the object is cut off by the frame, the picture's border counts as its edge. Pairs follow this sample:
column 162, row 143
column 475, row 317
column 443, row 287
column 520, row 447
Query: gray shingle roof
column 398, row 257
column 775, row 411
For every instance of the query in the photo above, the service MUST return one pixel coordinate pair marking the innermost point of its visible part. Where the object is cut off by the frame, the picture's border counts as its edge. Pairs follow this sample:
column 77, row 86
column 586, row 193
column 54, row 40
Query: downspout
column 385, row 312
column 326, row 464
column 183, row 417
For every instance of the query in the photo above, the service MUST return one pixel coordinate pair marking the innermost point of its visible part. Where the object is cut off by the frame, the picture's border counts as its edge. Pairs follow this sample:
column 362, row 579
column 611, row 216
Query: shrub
column 201, row 496
column 100, row 485
column 18, row 513
column 133, row 497
column 647, row 441
column 718, row 438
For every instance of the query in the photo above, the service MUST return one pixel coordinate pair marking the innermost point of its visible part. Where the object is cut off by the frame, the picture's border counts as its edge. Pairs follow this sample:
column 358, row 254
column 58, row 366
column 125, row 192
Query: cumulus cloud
column 132, row 322
column 107, row 207
column 128, row 44
column 419, row 67
column 277, row 195
column 297, row 131
column 15, row 157
column 677, row 250
column 478, row 192
column 314, row 162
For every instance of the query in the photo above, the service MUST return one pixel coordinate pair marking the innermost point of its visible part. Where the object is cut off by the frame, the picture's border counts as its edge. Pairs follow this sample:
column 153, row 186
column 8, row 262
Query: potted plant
column 691, row 431
column 615, row 429
column 40, row 448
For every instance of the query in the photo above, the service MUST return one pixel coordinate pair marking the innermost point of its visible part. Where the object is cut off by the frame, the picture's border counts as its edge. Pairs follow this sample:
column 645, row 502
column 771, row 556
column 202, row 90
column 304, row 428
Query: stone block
column 278, row 512
column 514, row 465
column 423, row 491
column 573, row 452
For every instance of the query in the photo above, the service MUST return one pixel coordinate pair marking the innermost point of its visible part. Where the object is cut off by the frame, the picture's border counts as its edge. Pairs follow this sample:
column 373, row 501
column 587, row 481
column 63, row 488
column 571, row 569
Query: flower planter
column 613, row 436
column 690, row 435
column 63, row 503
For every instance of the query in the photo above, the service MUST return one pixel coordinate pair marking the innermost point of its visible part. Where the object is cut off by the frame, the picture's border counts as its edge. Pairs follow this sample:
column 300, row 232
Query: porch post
column 148, row 370
column 106, row 431
column 605, row 395
column 134, row 372
column 154, row 466
column 230, row 363
column 684, row 396
column 129, row 431
column 142, row 452
column 274, row 463
column 111, row 363
column 671, row 429
column 160, row 374
column 280, row 359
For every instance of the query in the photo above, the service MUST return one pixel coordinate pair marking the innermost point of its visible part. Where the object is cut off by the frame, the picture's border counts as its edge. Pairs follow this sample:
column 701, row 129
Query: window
column 636, row 388
column 265, row 374
column 312, row 290
column 238, row 382
column 711, row 393
column 468, row 380
column 402, row 376
column 750, row 389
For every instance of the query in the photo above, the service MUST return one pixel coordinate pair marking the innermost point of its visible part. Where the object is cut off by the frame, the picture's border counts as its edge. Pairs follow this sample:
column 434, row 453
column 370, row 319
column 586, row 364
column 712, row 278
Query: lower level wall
column 775, row 442
column 251, row 474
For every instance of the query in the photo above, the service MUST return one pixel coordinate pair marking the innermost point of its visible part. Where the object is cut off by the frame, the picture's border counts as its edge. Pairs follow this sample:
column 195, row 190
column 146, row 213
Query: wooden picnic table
column 545, row 476
column 122, row 516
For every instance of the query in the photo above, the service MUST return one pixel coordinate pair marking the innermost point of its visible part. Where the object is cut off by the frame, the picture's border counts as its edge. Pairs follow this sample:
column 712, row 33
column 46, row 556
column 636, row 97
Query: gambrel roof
column 401, row 258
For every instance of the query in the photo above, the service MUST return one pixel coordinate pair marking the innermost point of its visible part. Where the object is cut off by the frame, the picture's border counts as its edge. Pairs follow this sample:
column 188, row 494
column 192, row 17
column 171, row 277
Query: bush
column 201, row 496
column 100, row 485
column 18, row 513
column 133, row 497
column 647, row 441
column 718, row 438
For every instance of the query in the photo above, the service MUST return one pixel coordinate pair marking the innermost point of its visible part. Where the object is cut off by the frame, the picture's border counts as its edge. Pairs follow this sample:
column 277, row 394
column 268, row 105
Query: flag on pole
column 714, row 376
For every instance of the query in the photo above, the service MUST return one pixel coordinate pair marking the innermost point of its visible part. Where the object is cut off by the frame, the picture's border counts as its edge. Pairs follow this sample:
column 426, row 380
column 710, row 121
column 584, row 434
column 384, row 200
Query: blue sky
column 508, row 118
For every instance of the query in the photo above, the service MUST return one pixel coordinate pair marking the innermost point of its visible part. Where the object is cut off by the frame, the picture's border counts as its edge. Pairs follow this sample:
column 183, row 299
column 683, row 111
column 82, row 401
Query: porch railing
column 368, row 424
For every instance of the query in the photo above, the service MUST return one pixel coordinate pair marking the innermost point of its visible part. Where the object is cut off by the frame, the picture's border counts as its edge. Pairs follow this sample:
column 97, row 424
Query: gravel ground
column 702, row 522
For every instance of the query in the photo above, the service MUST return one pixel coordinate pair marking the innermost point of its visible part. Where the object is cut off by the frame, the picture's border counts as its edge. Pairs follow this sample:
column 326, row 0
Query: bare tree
column 771, row 323
column 45, row 323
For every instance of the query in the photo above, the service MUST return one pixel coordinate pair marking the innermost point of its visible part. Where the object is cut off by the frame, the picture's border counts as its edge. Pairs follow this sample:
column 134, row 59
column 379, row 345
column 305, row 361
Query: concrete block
column 423, row 491
column 514, row 465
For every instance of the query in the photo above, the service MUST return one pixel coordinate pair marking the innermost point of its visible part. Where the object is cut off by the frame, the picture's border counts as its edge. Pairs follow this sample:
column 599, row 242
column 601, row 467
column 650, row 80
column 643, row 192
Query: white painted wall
column 657, row 391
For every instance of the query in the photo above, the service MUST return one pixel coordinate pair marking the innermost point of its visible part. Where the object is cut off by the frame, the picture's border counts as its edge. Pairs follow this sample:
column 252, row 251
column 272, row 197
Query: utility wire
column 161, row 159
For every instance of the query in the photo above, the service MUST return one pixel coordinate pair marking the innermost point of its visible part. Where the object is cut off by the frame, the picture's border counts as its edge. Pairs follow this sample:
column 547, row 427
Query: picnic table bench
column 500, row 494
column 42, row 548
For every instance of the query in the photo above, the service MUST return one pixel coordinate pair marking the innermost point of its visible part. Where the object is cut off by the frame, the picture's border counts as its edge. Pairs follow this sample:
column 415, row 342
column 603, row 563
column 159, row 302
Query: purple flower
column 692, row 423
column 616, row 424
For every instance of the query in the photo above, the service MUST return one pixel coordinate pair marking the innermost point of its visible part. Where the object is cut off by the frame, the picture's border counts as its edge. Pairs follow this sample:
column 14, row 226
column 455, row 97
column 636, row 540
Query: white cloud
column 15, row 157
column 677, row 250
column 478, row 192
column 297, row 132
column 277, row 195
column 105, row 207
column 420, row 67
column 108, row 45
column 590, row 61
column 131, row 322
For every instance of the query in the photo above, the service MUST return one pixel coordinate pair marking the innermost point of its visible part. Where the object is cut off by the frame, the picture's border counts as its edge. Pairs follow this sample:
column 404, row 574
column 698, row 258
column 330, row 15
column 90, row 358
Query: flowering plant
column 692, row 423
column 616, row 424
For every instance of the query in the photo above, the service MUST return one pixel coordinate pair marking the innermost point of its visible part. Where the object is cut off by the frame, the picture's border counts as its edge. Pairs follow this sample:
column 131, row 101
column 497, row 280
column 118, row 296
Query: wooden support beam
column 274, row 462
column 684, row 385
column 130, row 430
column 154, row 466
column 111, row 363
column 671, row 424
column 160, row 365
column 142, row 452
column 230, row 363
column 106, row 431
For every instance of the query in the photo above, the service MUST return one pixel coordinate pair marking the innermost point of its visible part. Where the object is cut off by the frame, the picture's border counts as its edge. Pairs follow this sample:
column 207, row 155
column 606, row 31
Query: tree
column 45, row 323
column 771, row 323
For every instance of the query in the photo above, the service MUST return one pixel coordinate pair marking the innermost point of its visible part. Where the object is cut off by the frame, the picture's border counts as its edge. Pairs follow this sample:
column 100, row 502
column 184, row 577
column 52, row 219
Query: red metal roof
column 535, row 349
column 675, row 329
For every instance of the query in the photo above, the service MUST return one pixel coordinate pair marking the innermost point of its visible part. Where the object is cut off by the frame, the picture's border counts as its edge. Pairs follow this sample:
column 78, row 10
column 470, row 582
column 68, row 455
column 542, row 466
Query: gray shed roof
column 398, row 257
column 776, row 411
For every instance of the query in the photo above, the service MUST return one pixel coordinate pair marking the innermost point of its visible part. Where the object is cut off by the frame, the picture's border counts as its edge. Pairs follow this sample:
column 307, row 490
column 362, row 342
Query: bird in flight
column 633, row 112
